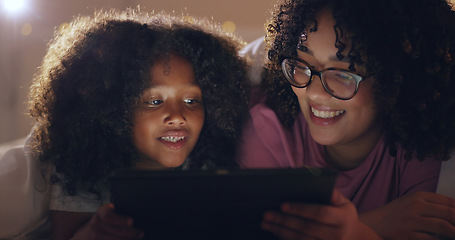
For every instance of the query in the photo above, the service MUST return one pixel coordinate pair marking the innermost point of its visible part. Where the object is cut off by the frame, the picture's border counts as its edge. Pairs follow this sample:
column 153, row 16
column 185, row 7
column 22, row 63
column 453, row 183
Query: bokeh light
column 229, row 26
column 26, row 29
column 63, row 26
column 14, row 5
column 189, row 19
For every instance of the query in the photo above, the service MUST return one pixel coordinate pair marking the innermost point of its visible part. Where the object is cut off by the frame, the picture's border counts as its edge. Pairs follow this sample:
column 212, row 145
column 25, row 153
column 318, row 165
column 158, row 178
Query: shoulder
column 264, row 117
column 414, row 174
column 266, row 142
column 24, row 193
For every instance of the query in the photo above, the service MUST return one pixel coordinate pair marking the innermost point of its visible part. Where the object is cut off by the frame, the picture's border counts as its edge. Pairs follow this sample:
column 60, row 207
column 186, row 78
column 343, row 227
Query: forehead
column 171, row 71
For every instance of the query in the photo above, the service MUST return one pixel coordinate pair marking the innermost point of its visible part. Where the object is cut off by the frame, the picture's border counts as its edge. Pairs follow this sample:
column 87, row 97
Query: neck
column 349, row 156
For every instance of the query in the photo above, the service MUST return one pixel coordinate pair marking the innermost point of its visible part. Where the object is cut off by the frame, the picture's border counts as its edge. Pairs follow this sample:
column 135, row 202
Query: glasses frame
column 290, row 77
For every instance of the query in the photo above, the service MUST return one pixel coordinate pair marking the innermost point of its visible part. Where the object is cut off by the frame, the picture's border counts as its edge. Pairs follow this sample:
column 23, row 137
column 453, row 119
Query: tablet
column 218, row 204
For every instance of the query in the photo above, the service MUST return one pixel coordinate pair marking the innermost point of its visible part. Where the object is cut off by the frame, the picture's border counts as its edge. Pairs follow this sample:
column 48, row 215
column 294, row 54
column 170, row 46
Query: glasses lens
column 297, row 73
column 339, row 83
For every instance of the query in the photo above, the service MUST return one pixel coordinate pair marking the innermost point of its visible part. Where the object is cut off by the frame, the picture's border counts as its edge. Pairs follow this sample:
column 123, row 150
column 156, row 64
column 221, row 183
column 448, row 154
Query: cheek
column 143, row 126
column 365, row 97
column 364, row 105
column 195, row 121
column 198, row 121
column 300, row 93
column 297, row 91
column 138, row 134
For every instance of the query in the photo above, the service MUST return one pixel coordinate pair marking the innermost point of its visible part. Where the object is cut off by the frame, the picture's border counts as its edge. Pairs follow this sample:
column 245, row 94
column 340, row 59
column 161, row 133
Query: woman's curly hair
column 407, row 45
column 84, row 94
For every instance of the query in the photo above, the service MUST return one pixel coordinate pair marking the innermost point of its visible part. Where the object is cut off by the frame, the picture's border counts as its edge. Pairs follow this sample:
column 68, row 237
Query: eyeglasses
column 339, row 83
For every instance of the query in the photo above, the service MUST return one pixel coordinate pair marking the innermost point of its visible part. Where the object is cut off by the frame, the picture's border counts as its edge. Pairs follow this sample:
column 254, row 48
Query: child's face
column 170, row 115
column 332, row 121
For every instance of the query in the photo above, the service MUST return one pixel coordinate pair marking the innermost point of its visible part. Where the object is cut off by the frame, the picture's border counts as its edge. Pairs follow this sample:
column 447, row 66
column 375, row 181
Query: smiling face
column 334, row 122
column 169, row 116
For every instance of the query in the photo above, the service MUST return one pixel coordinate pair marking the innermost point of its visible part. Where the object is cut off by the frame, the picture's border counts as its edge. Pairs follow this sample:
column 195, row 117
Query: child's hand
column 420, row 215
column 311, row 221
column 107, row 224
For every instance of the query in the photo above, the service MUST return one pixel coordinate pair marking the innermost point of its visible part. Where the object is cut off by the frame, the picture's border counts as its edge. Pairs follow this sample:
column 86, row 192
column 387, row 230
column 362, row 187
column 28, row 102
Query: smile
column 326, row 114
column 172, row 139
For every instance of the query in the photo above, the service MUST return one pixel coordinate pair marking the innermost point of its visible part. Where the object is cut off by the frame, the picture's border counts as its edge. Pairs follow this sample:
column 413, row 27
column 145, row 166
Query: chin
column 325, row 141
column 173, row 164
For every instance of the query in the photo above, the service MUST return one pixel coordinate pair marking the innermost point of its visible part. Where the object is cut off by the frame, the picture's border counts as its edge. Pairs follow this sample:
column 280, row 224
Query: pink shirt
column 378, row 180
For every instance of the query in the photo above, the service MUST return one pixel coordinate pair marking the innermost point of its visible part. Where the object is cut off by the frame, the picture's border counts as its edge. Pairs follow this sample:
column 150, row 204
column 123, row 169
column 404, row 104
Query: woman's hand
column 311, row 221
column 419, row 215
column 107, row 224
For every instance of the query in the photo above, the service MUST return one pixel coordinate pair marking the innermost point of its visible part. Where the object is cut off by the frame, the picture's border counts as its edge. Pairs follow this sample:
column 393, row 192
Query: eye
column 192, row 101
column 154, row 103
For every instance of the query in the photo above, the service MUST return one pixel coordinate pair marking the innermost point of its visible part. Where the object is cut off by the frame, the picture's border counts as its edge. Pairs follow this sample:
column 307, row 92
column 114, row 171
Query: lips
column 174, row 139
column 325, row 117
column 326, row 114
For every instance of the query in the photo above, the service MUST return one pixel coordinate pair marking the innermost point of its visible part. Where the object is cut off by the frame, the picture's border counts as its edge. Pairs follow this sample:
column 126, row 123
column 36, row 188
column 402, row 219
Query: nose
column 175, row 115
column 315, row 90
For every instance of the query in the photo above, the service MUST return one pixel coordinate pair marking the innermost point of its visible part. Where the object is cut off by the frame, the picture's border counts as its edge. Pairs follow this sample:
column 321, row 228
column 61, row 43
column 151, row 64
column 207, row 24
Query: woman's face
column 170, row 115
column 334, row 122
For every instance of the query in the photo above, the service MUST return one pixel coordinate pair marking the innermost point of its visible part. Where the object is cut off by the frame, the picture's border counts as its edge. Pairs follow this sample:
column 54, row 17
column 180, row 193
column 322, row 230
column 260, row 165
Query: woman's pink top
column 378, row 180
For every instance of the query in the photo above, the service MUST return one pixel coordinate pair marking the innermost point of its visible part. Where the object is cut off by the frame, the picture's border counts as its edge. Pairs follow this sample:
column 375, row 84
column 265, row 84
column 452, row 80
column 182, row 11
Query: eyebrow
column 334, row 58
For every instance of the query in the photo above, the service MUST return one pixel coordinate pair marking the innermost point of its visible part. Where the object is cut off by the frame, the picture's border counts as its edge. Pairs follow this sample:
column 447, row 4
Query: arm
column 104, row 224
column 310, row 221
column 420, row 215
column 65, row 224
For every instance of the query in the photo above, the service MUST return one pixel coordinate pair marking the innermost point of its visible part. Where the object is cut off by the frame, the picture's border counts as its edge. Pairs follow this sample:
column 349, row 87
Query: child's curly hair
column 85, row 92
column 407, row 45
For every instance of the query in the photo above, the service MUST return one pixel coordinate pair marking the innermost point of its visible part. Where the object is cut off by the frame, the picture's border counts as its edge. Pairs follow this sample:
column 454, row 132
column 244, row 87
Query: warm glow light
column 14, row 5
column 188, row 19
column 26, row 29
column 63, row 26
column 229, row 26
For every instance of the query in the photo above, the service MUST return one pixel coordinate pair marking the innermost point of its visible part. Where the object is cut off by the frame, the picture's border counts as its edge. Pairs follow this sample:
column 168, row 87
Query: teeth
column 326, row 114
column 172, row 139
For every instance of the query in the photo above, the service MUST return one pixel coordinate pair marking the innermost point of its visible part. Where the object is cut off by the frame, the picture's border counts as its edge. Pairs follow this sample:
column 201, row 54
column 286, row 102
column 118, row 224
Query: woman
column 362, row 87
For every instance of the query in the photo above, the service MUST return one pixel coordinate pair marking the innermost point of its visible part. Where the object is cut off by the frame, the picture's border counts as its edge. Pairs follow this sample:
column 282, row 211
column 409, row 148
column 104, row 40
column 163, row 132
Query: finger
column 440, row 206
column 444, row 212
column 338, row 199
column 427, row 236
column 433, row 205
column 123, row 232
column 110, row 223
column 325, row 214
column 290, row 225
column 116, row 231
column 437, row 226
column 436, row 199
column 283, row 232
column 109, row 216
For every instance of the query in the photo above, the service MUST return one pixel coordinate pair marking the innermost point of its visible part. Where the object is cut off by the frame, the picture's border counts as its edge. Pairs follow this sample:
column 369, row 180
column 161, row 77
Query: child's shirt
column 379, row 179
column 24, row 195
column 81, row 202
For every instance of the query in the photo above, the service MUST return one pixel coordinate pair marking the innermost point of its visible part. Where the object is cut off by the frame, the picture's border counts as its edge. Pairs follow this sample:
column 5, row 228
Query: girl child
column 366, row 88
column 124, row 90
